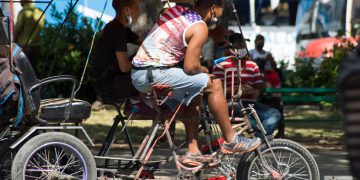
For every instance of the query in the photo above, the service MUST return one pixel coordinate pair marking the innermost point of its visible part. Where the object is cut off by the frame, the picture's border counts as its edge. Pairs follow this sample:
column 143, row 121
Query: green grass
column 314, row 127
column 101, row 121
column 307, row 126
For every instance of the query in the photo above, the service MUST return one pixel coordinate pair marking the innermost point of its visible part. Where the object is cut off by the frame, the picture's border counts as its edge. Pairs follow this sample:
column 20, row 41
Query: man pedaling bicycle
column 178, row 35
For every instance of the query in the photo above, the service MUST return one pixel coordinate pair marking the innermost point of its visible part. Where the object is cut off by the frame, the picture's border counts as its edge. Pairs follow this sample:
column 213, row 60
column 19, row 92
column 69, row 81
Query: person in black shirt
column 111, row 65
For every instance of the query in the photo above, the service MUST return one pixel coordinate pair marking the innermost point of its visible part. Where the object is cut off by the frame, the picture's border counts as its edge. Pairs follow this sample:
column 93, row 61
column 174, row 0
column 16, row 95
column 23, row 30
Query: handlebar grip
column 217, row 61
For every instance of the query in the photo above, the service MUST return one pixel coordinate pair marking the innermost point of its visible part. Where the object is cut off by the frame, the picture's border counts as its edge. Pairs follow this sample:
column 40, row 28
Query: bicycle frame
column 246, row 126
column 141, row 158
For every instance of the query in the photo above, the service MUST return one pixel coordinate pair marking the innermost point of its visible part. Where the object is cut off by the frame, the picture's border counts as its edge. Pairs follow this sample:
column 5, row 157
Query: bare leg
column 218, row 107
column 191, row 122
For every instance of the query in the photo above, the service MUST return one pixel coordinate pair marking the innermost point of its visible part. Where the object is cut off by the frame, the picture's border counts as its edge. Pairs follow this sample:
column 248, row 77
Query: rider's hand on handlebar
column 234, row 58
column 204, row 69
column 250, row 91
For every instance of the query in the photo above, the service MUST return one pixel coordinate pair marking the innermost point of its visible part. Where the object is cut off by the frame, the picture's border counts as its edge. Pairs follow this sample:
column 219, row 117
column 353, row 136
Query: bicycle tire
column 6, row 158
column 248, row 159
column 63, row 154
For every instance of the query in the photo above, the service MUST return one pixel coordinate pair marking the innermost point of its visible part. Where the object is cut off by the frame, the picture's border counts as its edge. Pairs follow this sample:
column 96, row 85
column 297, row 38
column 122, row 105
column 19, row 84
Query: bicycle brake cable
column 91, row 48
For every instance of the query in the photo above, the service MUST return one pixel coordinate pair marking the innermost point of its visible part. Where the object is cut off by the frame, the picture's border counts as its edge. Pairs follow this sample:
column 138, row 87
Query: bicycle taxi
column 35, row 143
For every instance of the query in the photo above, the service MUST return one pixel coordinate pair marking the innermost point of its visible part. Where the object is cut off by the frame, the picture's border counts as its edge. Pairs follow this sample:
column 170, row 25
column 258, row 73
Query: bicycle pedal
column 268, row 137
column 214, row 164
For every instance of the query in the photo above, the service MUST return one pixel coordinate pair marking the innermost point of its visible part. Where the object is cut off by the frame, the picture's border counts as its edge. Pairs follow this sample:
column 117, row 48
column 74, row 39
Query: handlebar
column 222, row 59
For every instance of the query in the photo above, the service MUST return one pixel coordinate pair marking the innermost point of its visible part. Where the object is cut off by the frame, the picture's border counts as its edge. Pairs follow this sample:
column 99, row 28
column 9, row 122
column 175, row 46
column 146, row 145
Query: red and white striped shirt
column 250, row 73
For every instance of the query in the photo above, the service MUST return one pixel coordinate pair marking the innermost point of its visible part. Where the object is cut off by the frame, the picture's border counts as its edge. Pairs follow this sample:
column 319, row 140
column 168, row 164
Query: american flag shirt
column 166, row 45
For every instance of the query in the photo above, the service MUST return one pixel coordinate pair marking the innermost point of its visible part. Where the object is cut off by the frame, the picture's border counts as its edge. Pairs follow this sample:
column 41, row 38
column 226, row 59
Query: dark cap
column 259, row 37
column 237, row 37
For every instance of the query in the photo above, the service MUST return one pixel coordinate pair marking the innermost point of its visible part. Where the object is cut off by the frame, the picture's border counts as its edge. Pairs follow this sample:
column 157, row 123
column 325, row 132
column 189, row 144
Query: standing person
column 266, row 62
column 111, row 65
column 251, row 86
column 27, row 20
column 179, row 35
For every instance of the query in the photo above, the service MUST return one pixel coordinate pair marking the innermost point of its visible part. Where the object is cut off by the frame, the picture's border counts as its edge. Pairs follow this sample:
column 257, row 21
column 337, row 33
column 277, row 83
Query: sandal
column 195, row 159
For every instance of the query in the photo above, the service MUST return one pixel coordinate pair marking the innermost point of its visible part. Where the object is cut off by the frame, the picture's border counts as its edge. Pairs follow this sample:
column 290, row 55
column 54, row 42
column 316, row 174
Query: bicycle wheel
column 295, row 162
column 6, row 157
column 229, row 164
column 54, row 155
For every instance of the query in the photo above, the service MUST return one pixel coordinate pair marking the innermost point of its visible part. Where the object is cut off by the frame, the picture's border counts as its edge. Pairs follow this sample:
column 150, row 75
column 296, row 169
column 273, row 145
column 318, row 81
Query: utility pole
column 252, row 13
column 349, row 9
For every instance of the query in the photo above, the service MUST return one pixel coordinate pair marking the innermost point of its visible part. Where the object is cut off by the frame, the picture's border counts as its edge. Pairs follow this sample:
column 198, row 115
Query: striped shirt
column 250, row 73
column 166, row 45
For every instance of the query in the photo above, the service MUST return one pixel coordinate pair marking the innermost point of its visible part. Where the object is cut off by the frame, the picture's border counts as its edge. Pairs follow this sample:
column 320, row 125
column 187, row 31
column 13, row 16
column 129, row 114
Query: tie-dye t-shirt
column 166, row 45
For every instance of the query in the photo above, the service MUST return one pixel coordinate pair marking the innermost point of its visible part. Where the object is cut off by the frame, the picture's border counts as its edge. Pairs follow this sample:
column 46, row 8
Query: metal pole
column 238, row 22
column 11, row 31
column 252, row 13
column 349, row 8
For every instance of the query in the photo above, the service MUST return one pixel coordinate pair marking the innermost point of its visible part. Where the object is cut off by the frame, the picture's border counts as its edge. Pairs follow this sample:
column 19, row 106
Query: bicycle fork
column 274, row 173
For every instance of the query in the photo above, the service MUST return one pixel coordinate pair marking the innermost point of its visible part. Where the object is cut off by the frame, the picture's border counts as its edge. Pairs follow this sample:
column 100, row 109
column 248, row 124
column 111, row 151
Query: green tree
column 306, row 75
column 67, row 50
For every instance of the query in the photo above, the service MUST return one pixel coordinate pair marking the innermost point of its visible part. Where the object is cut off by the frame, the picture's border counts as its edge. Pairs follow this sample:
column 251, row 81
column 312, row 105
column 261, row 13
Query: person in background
column 25, row 34
column 208, row 53
column 219, row 34
column 112, row 64
column 251, row 85
column 266, row 62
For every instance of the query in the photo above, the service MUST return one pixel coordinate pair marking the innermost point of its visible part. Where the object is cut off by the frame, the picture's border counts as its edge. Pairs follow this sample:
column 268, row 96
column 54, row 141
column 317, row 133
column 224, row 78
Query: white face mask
column 129, row 20
column 242, row 52
column 212, row 23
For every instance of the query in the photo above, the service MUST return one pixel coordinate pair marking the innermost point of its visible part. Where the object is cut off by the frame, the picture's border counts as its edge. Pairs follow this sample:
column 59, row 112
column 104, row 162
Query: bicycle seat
column 162, row 89
column 55, row 110
column 112, row 100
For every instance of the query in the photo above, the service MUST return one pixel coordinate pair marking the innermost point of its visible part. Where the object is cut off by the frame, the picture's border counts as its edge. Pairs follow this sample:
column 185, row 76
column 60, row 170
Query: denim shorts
column 181, row 83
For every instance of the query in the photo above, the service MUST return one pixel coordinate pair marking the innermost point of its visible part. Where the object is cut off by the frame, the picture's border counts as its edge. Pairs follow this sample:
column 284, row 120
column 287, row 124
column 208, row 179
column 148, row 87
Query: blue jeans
column 270, row 117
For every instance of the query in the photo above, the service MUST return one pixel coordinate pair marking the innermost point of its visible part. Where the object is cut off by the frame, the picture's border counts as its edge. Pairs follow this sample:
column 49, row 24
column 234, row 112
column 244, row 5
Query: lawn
column 310, row 126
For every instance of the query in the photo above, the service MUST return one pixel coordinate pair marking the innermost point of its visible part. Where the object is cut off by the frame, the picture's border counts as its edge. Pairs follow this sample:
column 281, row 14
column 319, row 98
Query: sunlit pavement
column 333, row 164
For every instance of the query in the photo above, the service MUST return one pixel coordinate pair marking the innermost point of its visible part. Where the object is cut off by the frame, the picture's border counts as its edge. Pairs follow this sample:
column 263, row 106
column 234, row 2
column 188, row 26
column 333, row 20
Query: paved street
column 333, row 164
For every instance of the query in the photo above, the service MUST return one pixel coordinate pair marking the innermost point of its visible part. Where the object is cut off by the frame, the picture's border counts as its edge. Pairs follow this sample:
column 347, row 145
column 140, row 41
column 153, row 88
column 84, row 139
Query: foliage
column 67, row 50
column 307, row 74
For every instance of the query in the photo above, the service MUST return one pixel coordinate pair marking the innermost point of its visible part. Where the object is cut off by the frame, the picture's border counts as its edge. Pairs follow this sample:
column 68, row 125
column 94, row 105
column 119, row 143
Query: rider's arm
column 127, row 36
column 139, row 41
column 196, row 37
column 123, row 61
column 133, row 37
column 252, row 91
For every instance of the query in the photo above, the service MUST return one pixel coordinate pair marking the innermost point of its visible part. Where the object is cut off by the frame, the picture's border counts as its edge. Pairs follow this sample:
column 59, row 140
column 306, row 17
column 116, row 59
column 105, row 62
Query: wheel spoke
column 297, row 177
column 77, row 172
column 41, row 157
column 46, row 164
column 31, row 176
column 290, row 165
column 66, row 164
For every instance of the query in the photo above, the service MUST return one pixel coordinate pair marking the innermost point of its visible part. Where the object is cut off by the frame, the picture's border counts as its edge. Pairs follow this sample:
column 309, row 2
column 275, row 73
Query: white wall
column 279, row 40
column 5, row 7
